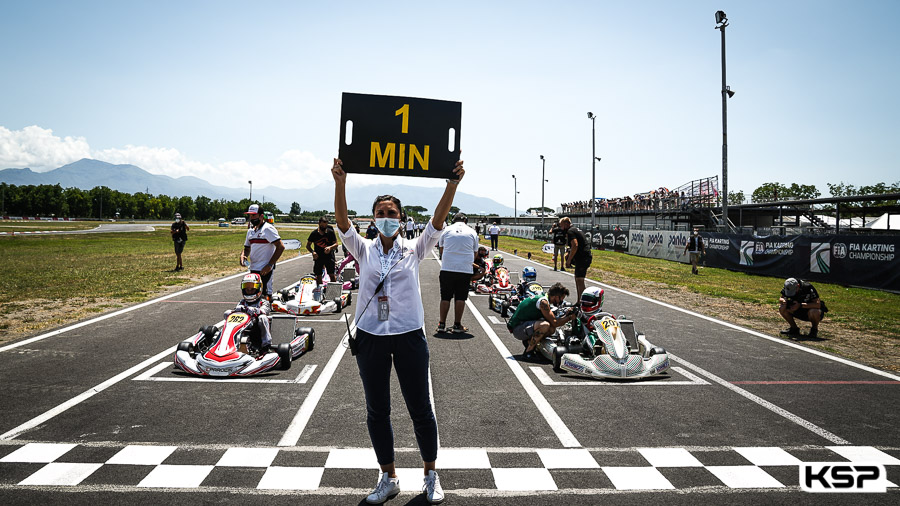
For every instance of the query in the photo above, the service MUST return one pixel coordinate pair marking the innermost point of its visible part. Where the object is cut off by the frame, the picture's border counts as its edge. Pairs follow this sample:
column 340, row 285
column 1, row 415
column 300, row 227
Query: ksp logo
column 842, row 477
column 746, row 252
column 839, row 250
column 820, row 257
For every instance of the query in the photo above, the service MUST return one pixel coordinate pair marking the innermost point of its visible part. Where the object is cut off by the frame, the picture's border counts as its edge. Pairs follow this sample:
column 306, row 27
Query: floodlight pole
column 722, row 23
column 593, row 171
column 251, row 191
column 515, row 196
column 543, row 180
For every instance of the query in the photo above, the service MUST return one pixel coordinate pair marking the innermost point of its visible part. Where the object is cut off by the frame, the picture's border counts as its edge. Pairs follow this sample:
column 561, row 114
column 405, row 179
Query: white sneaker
column 386, row 488
column 434, row 494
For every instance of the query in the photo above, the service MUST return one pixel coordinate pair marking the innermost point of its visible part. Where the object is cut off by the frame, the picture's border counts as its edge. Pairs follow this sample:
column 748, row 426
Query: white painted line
column 411, row 478
column 764, row 403
column 545, row 379
column 248, row 457
column 171, row 476
column 768, row 456
column 291, row 478
column 148, row 375
column 463, row 458
column 495, row 320
column 298, row 424
column 523, row 478
column 140, row 455
column 126, row 310
column 669, row 457
column 739, row 328
column 61, row 474
column 559, row 428
column 351, row 458
column 744, row 477
column 39, row 453
column 567, row 458
column 865, row 454
column 306, row 373
column 637, row 478
column 38, row 420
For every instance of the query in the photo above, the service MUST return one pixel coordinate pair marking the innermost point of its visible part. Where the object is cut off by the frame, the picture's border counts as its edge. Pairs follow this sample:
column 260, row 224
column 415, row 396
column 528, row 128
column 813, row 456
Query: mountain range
column 87, row 173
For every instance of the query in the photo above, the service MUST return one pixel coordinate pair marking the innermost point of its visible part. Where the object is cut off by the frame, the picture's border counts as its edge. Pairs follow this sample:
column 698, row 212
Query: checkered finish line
column 501, row 470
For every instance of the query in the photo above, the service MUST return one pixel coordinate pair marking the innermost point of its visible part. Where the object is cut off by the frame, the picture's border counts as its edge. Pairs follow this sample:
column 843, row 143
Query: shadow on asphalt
column 453, row 337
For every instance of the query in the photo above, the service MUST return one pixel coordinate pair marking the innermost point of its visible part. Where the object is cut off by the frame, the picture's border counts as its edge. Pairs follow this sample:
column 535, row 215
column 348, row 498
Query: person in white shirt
column 459, row 249
column 494, row 232
column 262, row 248
column 410, row 228
column 391, row 330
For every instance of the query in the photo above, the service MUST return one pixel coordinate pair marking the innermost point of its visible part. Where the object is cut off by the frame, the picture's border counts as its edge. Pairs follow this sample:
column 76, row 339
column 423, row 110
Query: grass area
column 122, row 267
column 23, row 226
column 862, row 309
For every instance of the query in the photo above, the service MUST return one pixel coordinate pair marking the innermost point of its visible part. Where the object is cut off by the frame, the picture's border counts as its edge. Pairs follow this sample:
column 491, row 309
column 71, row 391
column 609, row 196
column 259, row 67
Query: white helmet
column 592, row 300
column 251, row 287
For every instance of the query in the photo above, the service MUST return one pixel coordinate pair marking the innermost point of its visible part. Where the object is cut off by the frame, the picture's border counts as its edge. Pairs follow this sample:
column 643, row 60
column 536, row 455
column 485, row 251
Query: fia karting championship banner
column 399, row 136
column 867, row 261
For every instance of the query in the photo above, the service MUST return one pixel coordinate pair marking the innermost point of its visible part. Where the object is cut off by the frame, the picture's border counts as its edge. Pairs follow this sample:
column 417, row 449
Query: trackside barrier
column 519, row 231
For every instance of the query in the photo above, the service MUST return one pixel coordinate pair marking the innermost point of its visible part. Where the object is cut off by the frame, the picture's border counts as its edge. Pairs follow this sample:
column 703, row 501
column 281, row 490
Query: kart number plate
column 237, row 318
column 384, row 309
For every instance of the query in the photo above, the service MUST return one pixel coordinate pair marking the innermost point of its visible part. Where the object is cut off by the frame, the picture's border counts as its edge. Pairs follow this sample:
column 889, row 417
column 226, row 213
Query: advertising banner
column 867, row 261
column 611, row 240
column 663, row 244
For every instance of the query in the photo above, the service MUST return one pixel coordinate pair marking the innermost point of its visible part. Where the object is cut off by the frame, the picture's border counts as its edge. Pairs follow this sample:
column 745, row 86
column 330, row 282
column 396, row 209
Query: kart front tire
column 186, row 346
column 656, row 350
column 337, row 303
column 504, row 309
column 558, row 352
column 310, row 341
column 284, row 355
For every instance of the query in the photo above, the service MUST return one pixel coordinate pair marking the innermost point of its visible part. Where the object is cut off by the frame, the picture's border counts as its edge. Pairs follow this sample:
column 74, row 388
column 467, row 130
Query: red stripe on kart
column 874, row 382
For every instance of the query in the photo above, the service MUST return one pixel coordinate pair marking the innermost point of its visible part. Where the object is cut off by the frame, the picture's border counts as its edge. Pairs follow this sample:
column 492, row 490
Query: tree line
column 102, row 203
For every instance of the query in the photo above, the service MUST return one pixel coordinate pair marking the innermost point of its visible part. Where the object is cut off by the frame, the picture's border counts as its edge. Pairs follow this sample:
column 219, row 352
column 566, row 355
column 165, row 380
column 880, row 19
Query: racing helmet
column 251, row 287
column 592, row 300
column 498, row 260
column 529, row 274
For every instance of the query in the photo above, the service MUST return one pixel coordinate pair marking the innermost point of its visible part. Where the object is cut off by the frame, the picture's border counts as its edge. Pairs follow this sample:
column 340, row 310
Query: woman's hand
column 337, row 171
column 459, row 171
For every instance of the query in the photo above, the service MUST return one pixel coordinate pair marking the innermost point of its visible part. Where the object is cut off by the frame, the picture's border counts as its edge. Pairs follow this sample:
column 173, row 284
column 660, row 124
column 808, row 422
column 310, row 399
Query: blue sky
column 230, row 91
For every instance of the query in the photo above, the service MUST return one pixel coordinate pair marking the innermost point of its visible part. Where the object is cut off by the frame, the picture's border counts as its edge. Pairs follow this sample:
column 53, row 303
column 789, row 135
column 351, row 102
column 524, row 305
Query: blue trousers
column 409, row 355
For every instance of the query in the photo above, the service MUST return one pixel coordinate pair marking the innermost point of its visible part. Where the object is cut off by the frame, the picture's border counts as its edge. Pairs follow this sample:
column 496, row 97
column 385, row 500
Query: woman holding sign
column 391, row 330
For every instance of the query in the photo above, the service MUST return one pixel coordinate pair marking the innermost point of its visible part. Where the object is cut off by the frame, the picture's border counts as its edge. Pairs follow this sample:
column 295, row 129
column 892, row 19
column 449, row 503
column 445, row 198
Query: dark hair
column 460, row 217
column 558, row 289
column 391, row 198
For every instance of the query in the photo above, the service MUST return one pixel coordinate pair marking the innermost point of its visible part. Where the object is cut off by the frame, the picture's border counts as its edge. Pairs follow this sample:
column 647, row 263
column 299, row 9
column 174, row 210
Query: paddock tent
column 885, row 222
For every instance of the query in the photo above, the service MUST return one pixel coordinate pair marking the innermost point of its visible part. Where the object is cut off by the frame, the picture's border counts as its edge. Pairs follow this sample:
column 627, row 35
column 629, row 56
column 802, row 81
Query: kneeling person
column 257, row 306
column 800, row 300
column 534, row 320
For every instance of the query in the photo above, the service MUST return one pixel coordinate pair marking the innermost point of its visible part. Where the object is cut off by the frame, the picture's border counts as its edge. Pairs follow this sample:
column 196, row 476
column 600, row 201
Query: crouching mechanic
column 800, row 300
column 534, row 320
column 257, row 306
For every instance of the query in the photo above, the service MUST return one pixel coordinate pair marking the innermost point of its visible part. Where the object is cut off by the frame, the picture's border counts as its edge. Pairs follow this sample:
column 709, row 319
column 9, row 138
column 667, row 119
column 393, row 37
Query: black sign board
column 399, row 136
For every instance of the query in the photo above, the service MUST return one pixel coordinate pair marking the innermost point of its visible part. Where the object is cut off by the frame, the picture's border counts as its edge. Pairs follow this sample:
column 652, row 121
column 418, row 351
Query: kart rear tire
column 284, row 354
column 558, row 352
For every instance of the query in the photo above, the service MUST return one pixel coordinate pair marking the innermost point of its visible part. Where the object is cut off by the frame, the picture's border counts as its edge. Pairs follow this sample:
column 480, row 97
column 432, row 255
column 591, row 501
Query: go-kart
column 505, row 302
column 603, row 346
column 234, row 350
column 303, row 299
column 496, row 281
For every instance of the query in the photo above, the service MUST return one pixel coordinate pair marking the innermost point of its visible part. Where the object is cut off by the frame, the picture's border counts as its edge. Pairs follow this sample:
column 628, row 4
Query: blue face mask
column 387, row 226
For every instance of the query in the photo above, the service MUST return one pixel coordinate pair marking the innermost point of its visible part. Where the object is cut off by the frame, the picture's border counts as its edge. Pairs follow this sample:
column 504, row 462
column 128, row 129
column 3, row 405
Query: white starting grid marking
column 150, row 375
column 692, row 380
column 495, row 320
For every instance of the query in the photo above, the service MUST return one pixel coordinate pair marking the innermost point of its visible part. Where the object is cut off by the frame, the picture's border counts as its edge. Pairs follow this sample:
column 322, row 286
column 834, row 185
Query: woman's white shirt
column 401, row 285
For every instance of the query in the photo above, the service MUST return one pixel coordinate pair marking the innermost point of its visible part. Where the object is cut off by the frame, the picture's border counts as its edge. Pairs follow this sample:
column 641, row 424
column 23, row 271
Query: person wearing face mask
column 325, row 243
column 262, row 248
column 179, row 236
column 390, row 332
column 696, row 248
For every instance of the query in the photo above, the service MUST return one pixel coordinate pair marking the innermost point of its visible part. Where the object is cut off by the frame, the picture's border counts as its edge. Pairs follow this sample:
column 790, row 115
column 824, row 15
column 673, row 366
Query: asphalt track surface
column 95, row 413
